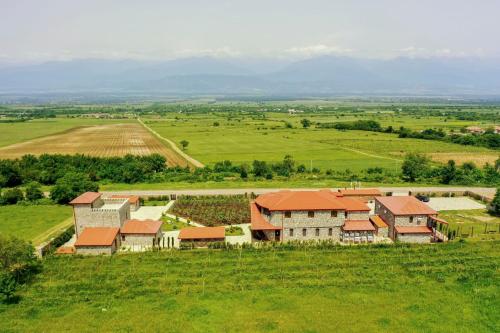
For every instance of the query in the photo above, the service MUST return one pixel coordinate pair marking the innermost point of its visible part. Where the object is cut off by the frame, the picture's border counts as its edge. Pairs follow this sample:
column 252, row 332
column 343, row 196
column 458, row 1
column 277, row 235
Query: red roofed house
column 309, row 215
column 143, row 233
column 103, row 224
column 91, row 210
column 201, row 236
column 409, row 219
column 98, row 240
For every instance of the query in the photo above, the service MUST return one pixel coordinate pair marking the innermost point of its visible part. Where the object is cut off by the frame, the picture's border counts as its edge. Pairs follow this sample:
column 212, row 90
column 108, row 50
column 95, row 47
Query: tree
column 449, row 172
column 260, row 168
column 72, row 185
column 12, row 196
column 33, row 191
column 494, row 206
column 306, row 123
column 216, row 124
column 415, row 166
column 184, row 144
column 8, row 285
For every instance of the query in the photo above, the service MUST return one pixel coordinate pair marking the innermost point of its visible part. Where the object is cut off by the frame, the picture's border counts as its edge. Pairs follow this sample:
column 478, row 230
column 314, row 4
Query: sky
column 37, row 31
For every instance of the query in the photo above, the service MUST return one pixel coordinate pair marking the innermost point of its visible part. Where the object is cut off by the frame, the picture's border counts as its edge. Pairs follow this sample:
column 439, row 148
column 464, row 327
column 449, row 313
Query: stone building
column 309, row 215
column 146, row 233
column 91, row 210
column 98, row 240
column 409, row 219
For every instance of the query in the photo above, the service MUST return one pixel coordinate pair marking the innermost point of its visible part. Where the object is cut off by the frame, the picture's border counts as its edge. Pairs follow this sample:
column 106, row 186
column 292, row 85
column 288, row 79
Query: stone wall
column 358, row 215
column 402, row 220
column 93, row 216
column 96, row 250
column 141, row 239
column 299, row 220
column 382, row 232
column 414, row 238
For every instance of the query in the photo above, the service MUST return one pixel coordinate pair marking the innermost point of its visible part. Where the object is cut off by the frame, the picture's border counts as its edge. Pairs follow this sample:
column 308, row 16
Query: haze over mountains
column 326, row 75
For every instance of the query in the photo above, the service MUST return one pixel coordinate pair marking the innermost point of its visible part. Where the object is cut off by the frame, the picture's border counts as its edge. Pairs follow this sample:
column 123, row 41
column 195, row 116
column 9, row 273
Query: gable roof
column 308, row 200
column 413, row 230
column 141, row 227
column 355, row 225
column 203, row 233
column 86, row 198
column 406, row 206
column 257, row 221
column 133, row 199
column 361, row 192
column 97, row 236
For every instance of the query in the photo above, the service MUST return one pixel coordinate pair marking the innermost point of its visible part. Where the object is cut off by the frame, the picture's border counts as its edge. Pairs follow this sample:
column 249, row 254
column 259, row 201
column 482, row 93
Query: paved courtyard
column 149, row 212
column 456, row 203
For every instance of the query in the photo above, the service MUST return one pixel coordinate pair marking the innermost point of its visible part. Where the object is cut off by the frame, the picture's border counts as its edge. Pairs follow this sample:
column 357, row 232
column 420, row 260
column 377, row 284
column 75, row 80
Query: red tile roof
column 361, row 192
column 202, row 233
column 308, row 200
column 353, row 205
column 413, row 230
column 133, row 199
column 86, row 198
column 257, row 221
column 377, row 220
column 97, row 236
column 406, row 206
column 355, row 225
column 141, row 227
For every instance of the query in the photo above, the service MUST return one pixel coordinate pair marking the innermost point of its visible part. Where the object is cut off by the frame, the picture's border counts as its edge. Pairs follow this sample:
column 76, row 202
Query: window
column 330, row 231
column 419, row 220
column 123, row 237
column 334, row 213
column 291, row 232
column 288, row 214
column 317, row 232
column 304, row 232
column 411, row 219
column 310, row 213
column 345, row 214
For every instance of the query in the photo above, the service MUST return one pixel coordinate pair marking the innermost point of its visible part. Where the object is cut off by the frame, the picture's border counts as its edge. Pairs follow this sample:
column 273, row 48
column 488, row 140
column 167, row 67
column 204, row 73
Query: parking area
column 454, row 203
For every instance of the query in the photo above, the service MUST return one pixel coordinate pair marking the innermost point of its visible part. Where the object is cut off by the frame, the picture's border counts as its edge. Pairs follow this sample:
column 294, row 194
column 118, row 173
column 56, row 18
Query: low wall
column 51, row 245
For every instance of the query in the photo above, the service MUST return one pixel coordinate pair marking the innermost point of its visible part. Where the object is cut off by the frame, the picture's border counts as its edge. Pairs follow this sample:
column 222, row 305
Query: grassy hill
column 442, row 288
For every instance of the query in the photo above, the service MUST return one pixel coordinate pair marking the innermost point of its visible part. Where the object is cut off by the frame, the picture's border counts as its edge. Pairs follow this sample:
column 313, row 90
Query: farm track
column 173, row 146
column 100, row 141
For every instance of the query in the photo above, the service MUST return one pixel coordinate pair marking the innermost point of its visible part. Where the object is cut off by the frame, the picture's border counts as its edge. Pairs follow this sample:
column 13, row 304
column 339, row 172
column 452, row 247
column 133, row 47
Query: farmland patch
column 100, row 141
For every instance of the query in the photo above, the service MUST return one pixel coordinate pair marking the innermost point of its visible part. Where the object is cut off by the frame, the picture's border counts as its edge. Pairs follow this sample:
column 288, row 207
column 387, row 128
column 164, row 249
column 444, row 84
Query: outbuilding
column 202, row 236
column 98, row 240
column 145, row 233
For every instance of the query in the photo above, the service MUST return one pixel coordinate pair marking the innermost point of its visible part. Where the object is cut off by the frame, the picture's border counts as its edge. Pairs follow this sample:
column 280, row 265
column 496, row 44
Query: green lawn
column 243, row 139
column 170, row 224
column 11, row 133
column 27, row 222
column 440, row 288
column 234, row 231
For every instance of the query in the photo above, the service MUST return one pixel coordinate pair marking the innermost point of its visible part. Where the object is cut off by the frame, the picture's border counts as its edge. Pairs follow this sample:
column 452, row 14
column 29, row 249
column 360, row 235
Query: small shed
column 141, row 232
column 98, row 240
column 202, row 236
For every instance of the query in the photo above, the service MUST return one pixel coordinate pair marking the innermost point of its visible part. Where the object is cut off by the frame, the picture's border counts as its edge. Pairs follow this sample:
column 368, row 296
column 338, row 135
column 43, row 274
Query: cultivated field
column 242, row 139
column 213, row 210
column 447, row 288
column 103, row 141
column 30, row 222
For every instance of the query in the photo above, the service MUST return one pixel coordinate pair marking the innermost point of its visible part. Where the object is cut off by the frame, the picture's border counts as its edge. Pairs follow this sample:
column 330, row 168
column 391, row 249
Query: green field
column 243, row 139
column 440, row 288
column 11, row 133
column 28, row 222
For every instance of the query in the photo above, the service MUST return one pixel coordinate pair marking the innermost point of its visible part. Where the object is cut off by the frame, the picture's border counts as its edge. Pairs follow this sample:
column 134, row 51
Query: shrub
column 33, row 191
column 12, row 196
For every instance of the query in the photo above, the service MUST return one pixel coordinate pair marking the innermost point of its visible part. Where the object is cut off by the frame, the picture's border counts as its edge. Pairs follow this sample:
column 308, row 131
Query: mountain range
column 326, row 75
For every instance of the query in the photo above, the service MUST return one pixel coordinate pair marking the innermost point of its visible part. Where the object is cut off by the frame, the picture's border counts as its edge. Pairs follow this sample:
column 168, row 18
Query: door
column 277, row 235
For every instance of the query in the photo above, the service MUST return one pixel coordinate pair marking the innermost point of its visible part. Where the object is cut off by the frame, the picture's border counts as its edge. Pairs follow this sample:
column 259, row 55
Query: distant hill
column 322, row 75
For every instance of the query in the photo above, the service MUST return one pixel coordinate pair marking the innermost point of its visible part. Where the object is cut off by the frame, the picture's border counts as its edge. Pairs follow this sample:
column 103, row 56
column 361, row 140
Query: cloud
column 316, row 50
column 421, row 52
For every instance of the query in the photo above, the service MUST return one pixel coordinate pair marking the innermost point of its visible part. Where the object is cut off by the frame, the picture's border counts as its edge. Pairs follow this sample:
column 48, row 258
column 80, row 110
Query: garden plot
column 213, row 210
column 100, row 141
column 460, row 203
